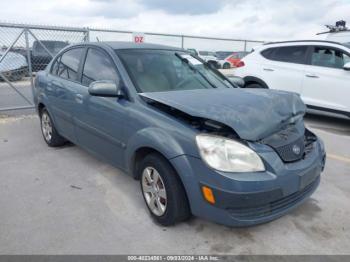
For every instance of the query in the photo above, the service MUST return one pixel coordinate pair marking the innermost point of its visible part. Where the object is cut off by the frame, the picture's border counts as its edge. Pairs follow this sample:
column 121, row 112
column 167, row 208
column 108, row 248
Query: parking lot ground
column 64, row 201
column 10, row 98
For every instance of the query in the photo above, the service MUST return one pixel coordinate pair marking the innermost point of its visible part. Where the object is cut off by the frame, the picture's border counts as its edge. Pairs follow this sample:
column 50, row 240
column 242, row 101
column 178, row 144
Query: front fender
column 156, row 138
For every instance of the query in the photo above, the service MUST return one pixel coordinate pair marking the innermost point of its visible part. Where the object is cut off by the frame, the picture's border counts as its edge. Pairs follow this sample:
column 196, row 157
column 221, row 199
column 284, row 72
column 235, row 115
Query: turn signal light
column 208, row 194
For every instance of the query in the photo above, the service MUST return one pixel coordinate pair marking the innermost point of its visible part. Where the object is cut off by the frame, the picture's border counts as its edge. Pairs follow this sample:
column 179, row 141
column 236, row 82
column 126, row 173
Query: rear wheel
column 162, row 191
column 50, row 134
column 226, row 66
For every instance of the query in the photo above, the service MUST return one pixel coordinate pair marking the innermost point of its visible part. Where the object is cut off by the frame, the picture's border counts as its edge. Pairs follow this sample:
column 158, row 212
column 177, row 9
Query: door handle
column 268, row 69
column 79, row 98
column 311, row 76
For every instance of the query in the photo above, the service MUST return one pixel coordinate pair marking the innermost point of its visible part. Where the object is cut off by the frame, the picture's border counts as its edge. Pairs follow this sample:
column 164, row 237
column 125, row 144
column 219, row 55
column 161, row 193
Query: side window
column 98, row 66
column 69, row 64
column 290, row 54
column 329, row 57
column 267, row 53
column 346, row 59
column 54, row 67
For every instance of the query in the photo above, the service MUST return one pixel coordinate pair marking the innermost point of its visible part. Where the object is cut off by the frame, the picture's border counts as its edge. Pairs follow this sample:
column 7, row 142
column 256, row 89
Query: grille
column 275, row 206
column 293, row 151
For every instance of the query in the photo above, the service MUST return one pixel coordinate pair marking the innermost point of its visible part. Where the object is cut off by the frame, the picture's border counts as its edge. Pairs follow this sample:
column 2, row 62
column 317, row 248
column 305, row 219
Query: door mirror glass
column 347, row 66
column 238, row 81
column 106, row 88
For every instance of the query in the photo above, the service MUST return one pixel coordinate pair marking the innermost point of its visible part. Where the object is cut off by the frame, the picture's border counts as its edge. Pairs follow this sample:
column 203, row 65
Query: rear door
column 326, row 84
column 61, row 89
column 283, row 67
column 100, row 120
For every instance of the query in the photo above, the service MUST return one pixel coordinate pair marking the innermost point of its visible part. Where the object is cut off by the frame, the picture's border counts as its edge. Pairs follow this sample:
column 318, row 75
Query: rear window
column 268, row 53
column 289, row 54
column 68, row 64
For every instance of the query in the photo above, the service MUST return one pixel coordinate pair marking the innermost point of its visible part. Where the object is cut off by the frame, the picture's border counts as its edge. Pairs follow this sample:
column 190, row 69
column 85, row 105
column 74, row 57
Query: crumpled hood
column 253, row 113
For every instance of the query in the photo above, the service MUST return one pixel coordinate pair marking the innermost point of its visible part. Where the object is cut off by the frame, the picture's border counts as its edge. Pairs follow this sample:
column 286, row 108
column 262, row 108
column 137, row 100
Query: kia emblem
column 296, row 149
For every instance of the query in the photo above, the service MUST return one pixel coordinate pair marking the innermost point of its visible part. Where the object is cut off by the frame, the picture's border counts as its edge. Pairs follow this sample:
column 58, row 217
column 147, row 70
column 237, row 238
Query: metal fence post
column 29, row 60
column 245, row 45
column 87, row 35
column 182, row 41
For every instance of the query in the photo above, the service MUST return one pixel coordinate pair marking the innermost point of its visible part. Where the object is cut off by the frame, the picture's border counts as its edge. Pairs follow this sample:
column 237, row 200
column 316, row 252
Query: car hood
column 253, row 114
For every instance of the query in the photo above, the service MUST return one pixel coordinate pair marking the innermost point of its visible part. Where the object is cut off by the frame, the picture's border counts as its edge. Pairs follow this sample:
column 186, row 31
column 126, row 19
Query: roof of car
column 302, row 41
column 131, row 45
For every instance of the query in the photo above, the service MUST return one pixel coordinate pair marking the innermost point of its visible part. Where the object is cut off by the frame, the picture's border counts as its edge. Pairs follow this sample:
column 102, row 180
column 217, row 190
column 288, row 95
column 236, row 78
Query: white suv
column 318, row 70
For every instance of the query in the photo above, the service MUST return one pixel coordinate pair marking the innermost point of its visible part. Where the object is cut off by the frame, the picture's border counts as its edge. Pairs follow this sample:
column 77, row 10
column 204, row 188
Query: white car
column 318, row 70
column 207, row 56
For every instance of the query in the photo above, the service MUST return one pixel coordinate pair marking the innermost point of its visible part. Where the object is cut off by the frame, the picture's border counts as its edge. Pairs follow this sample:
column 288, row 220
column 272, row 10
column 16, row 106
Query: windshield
column 169, row 70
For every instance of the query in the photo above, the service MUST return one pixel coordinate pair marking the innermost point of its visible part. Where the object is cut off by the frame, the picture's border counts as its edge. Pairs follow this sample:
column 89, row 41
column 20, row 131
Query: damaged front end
column 290, row 139
column 203, row 125
column 292, row 143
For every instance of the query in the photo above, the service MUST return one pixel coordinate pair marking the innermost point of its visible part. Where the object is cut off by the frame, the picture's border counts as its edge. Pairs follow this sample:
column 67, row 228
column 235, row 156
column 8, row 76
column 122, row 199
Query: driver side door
column 100, row 121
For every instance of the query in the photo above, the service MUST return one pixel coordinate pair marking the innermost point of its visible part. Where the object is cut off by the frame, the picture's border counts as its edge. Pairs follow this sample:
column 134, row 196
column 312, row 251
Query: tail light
column 240, row 64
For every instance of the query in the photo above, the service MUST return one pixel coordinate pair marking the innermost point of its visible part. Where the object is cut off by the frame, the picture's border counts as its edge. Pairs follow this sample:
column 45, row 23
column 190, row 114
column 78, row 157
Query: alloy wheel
column 46, row 126
column 154, row 191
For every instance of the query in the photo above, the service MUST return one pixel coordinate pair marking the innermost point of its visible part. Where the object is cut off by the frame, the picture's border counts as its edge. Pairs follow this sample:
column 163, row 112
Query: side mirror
column 238, row 81
column 347, row 66
column 106, row 88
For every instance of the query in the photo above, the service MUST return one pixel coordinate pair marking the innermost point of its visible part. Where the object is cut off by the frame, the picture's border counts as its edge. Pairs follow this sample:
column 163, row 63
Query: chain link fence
column 27, row 49
column 183, row 41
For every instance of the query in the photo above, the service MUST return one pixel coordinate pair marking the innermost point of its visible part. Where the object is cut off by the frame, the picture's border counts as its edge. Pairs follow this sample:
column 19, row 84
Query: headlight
column 227, row 155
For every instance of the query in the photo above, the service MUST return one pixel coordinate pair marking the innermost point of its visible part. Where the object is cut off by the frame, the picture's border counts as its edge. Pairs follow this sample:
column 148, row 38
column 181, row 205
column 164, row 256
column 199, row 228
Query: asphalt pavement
column 65, row 201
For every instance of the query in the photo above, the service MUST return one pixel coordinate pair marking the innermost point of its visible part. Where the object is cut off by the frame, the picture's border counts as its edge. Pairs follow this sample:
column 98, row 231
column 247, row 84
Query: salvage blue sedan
column 198, row 144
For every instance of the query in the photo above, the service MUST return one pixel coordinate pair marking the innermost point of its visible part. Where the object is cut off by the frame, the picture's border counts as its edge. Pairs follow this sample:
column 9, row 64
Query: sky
column 266, row 20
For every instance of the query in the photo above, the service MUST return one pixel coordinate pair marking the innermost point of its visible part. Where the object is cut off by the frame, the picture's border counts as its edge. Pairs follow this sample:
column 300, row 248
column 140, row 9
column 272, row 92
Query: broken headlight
column 228, row 155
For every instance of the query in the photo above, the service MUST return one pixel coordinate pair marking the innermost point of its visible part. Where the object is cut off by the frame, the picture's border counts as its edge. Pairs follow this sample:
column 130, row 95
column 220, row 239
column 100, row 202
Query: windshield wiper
column 194, row 68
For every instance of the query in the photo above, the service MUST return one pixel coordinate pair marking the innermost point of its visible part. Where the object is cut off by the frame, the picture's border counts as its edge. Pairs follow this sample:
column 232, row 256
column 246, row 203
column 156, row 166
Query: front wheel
column 51, row 137
column 162, row 191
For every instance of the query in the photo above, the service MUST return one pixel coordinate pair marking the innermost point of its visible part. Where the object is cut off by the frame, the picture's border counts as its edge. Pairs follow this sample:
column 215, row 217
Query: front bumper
column 244, row 199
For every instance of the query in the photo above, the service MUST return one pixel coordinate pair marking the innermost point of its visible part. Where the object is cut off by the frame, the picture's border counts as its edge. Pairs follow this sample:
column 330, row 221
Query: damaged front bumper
column 243, row 199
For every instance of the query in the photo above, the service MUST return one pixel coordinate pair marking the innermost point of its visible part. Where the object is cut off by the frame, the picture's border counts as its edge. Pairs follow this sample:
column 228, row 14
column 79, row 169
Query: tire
column 166, row 199
column 254, row 85
column 48, row 130
column 226, row 66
